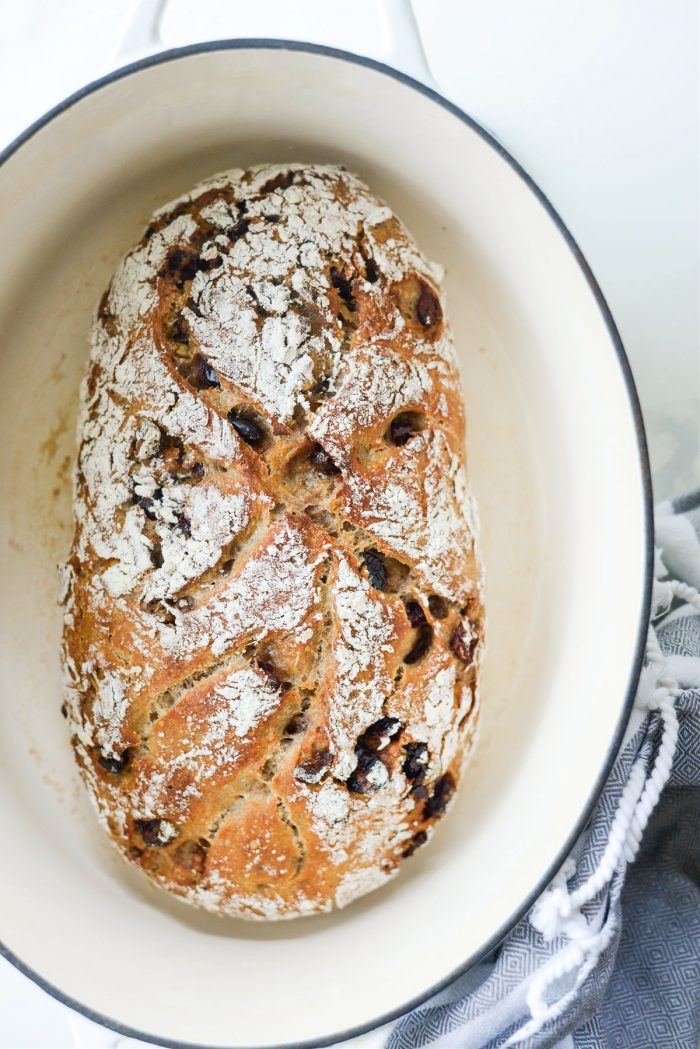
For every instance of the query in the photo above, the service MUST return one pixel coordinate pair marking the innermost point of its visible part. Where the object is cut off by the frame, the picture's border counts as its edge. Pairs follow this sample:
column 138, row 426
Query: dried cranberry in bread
column 273, row 610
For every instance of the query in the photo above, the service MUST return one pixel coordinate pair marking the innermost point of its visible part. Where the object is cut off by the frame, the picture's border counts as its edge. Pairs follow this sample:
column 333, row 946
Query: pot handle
column 398, row 43
column 405, row 48
column 141, row 33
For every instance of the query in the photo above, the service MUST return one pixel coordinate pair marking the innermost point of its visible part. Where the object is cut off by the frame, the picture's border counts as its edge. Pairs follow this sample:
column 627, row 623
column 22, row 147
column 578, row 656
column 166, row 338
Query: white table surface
column 598, row 99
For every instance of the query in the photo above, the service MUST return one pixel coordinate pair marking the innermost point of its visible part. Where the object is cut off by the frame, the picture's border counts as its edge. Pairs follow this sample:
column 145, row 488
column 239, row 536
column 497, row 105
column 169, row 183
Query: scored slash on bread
column 273, row 607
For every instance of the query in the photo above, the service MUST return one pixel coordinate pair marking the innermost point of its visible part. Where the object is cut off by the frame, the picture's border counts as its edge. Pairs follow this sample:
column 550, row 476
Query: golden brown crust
column 273, row 613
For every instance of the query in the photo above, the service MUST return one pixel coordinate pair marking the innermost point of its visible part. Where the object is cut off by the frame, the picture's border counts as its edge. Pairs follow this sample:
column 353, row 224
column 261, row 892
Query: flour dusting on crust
column 273, row 613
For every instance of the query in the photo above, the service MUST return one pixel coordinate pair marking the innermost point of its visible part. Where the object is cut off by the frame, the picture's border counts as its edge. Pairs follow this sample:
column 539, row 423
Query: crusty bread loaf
column 273, row 616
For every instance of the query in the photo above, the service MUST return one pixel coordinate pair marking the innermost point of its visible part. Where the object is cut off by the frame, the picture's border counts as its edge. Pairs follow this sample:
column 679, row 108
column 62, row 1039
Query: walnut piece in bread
column 273, row 612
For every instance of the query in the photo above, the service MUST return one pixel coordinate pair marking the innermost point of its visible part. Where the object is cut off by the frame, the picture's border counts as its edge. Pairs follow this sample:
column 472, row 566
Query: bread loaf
column 273, row 615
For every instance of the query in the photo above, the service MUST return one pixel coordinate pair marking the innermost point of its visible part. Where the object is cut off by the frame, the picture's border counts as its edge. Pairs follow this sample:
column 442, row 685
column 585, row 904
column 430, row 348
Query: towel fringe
column 558, row 912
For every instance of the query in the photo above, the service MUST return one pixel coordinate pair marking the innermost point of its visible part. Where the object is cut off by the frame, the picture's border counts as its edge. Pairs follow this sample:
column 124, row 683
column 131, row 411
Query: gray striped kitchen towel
column 609, row 956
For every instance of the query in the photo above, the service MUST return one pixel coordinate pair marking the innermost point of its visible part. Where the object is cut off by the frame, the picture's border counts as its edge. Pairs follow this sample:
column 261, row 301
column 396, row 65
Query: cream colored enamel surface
column 555, row 468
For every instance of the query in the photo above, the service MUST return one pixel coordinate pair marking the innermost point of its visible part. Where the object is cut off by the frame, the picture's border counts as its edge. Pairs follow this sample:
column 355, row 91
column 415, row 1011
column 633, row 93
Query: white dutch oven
column 559, row 466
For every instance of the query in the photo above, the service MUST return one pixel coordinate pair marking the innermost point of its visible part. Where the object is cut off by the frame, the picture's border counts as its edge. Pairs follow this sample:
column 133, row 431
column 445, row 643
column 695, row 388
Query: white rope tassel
column 664, row 700
column 617, row 839
column 686, row 593
column 558, row 912
column 581, row 953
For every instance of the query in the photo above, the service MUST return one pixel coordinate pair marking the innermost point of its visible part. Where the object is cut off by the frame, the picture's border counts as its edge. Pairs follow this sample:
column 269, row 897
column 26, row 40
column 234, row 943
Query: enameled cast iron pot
column 558, row 462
